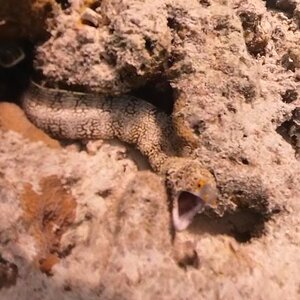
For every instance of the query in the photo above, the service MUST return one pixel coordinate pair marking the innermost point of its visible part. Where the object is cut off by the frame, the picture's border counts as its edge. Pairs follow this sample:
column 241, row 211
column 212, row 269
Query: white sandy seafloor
column 119, row 244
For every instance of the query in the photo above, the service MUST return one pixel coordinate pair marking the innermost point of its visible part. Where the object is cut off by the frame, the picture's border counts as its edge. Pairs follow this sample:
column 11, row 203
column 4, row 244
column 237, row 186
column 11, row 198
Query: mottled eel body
column 73, row 115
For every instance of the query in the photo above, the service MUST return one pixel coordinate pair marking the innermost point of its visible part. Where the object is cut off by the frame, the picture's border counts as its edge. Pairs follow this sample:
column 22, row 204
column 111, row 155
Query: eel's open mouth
column 185, row 207
column 186, row 202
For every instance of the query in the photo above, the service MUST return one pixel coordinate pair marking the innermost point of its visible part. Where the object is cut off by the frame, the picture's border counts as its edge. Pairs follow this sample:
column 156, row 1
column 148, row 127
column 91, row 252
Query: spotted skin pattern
column 73, row 115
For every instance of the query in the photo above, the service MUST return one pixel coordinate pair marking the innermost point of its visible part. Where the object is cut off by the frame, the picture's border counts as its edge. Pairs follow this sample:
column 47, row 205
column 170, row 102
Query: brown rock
column 13, row 118
column 23, row 19
column 47, row 263
column 47, row 216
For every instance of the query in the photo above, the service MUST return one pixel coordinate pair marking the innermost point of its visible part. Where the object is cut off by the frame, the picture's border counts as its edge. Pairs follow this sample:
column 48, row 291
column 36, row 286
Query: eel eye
column 200, row 183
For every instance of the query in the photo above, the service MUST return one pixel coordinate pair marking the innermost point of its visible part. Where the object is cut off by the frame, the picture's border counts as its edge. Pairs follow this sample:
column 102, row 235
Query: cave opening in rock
column 158, row 92
column 64, row 3
column 243, row 224
column 14, row 79
column 284, row 6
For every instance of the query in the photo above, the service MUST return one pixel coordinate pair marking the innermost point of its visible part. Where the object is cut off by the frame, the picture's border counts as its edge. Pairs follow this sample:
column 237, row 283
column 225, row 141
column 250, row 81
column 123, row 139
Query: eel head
column 191, row 187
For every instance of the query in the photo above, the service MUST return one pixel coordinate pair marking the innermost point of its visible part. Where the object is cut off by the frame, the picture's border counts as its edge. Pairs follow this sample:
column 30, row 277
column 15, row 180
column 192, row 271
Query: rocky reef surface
column 90, row 220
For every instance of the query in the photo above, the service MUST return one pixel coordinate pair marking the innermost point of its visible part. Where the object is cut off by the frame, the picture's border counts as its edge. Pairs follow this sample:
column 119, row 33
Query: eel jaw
column 188, row 204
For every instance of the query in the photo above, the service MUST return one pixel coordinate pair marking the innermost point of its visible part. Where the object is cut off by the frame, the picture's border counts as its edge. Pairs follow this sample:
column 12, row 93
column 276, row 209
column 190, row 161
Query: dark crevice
column 289, row 96
column 205, row 3
column 89, row 23
column 174, row 24
column 285, row 6
column 158, row 92
column 190, row 259
column 199, row 128
column 247, row 217
column 64, row 4
column 149, row 45
column 290, row 131
column 105, row 193
column 255, row 39
column 290, row 60
column 62, row 253
column 14, row 80
column 243, row 225
column 8, row 273
column 244, row 161
column 95, row 5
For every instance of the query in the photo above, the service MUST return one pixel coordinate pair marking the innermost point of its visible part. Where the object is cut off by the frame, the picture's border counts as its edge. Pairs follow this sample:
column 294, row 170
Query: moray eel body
column 72, row 115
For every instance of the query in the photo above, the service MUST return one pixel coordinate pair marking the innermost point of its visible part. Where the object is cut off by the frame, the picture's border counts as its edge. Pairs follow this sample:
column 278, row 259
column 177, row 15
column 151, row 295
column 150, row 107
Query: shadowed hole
column 199, row 127
column 243, row 225
column 285, row 6
column 174, row 24
column 289, row 96
column 14, row 80
column 149, row 45
column 105, row 193
column 290, row 61
column 255, row 39
column 189, row 260
column 64, row 3
column 205, row 3
column 283, row 129
column 244, row 161
column 96, row 4
column 290, row 131
column 158, row 92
